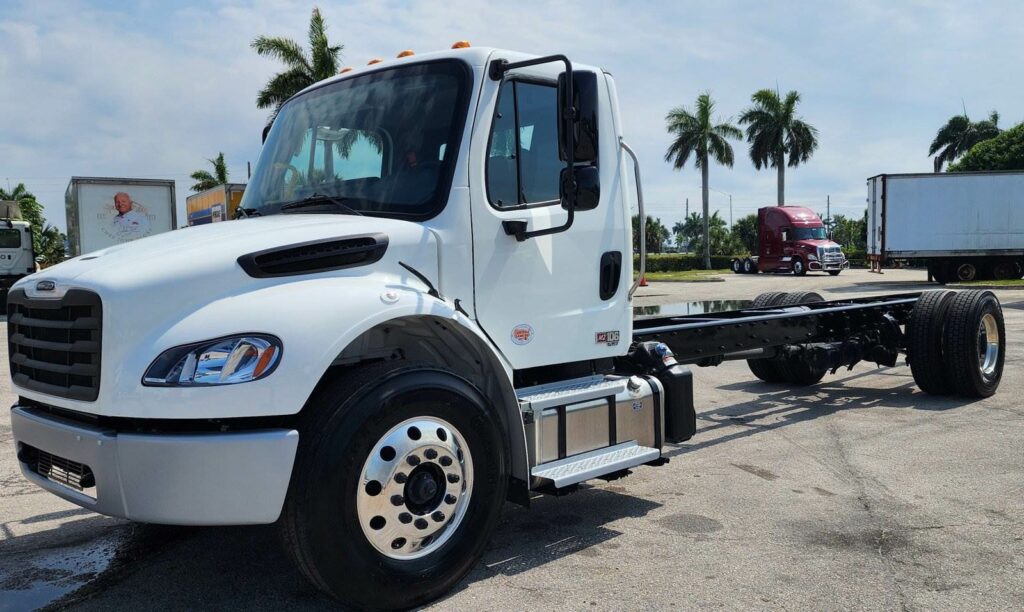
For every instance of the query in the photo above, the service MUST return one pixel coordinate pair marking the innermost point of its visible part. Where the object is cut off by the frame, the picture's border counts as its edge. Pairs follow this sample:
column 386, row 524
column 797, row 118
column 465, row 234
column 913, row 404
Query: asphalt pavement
column 858, row 493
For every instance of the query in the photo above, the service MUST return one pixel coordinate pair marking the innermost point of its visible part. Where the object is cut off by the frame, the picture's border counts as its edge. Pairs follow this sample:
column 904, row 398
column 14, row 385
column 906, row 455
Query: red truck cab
column 792, row 239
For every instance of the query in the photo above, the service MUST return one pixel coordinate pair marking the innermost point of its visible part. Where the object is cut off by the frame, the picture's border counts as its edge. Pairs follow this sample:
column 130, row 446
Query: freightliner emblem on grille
column 46, row 285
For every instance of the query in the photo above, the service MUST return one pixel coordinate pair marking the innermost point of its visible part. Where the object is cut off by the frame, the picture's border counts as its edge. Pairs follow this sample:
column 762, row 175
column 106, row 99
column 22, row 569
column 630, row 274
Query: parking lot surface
column 858, row 493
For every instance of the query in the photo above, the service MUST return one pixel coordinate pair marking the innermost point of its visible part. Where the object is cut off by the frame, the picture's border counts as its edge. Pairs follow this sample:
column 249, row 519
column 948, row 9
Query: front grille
column 58, row 469
column 54, row 344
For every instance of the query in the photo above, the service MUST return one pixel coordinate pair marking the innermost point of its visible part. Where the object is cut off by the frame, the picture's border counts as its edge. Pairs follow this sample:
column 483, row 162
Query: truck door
column 769, row 242
column 561, row 297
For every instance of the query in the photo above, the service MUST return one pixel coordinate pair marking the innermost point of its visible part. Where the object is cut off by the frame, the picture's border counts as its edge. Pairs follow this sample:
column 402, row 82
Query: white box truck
column 391, row 344
column 17, row 255
column 103, row 212
column 965, row 225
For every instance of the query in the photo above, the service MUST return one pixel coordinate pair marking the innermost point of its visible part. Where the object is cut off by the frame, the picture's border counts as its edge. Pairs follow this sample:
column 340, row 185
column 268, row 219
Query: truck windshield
column 809, row 233
column 383, row 144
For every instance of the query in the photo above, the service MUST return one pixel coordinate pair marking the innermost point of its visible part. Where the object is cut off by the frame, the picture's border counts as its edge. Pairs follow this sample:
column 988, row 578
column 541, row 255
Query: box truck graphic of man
column 128, row 223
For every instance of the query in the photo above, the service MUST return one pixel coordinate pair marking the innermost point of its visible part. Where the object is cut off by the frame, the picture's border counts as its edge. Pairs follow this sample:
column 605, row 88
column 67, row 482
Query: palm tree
column 959, row 135
column 697, row 134
column 206, row 180
column 301, row 70
column 775, row 133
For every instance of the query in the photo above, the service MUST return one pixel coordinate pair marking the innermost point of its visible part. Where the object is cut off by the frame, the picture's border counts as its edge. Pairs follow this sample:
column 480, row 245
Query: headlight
column 224, row 361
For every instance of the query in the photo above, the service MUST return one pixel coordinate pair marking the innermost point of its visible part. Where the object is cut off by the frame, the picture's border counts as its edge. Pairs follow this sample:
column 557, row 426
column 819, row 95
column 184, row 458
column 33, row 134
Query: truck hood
column 187, row 256
column 814, row 244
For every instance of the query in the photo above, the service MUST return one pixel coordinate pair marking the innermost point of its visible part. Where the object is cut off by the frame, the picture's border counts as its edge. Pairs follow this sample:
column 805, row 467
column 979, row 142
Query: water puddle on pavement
column 44, row 576
column 690, row 308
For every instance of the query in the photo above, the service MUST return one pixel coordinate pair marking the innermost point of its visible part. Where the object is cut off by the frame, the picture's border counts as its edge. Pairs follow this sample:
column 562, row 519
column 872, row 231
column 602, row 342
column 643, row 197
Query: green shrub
column 680, row 262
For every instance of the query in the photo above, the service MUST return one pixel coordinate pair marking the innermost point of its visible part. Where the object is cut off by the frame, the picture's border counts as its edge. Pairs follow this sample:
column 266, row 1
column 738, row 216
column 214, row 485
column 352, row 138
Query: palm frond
column 324, row 55
column 285, row 50
column 282, row 86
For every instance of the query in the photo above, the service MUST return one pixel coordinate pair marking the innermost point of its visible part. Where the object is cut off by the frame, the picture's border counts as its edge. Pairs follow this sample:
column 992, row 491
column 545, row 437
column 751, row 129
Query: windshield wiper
column 242, row 212
column 316, row 199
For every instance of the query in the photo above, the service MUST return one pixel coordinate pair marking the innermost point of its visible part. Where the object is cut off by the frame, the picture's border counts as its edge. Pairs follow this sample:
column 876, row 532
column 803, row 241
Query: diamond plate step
column 570, row 392
column 585, row 466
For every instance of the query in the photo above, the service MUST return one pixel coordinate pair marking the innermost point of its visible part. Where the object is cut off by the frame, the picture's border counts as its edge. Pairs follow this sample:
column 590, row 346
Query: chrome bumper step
column 578, row 468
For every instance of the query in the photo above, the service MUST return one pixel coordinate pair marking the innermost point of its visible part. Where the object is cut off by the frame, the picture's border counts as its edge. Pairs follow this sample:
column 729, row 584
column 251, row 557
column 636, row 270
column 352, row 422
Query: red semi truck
column 791, row 239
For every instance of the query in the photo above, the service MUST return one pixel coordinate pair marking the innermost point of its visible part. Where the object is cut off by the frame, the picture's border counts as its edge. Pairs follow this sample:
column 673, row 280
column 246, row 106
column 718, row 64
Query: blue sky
column 152, row 89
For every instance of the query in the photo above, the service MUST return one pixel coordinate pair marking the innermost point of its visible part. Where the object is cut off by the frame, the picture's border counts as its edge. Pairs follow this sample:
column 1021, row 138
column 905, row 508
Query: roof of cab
column 798, row 215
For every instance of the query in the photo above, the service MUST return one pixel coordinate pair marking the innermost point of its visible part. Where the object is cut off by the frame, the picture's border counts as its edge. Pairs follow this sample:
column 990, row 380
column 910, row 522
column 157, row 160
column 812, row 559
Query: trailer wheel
column 965, row 272
column 399, row 480
column 737, row 266
column 794, row 370
column 767, row 369
column 975, row 343
column 1004, row 270
column 798, row 267
column 924, row 342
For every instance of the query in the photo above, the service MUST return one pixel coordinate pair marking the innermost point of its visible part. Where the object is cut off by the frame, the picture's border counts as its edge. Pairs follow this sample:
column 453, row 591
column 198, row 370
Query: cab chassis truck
column 423, row 314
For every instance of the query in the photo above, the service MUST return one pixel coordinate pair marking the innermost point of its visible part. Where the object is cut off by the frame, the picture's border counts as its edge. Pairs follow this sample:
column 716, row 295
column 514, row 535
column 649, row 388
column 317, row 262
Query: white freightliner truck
column 425, row 312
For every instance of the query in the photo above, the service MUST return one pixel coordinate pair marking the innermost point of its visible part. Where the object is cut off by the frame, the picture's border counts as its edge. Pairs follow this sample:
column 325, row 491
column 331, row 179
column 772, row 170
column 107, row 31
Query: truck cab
column 17, row 256
column 793, row 239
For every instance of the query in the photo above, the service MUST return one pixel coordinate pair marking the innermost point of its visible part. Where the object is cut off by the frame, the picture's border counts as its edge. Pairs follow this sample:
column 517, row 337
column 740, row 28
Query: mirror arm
column 497, row 70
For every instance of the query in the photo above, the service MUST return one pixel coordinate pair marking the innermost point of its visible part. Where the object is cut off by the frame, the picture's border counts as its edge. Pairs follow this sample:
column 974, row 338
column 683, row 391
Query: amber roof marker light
column 375, row 60
column 461, row 44
column 405, row 53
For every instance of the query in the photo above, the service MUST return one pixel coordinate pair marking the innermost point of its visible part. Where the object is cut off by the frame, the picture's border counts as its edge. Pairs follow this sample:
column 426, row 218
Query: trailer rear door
column 876, row 214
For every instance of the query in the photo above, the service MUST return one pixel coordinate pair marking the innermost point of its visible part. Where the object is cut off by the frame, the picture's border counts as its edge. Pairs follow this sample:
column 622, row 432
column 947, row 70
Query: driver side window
column 522, row 162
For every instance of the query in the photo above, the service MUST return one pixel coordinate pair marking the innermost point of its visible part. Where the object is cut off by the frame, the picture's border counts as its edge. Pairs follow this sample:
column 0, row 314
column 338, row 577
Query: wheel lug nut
column 449, row 499
column 453, row 478
column 400, row 478
column 413, row 460
column 437, row 516
column 421, row 523
column 405, row 518
column 397, row 500
column 446, row 461
column 430, row 453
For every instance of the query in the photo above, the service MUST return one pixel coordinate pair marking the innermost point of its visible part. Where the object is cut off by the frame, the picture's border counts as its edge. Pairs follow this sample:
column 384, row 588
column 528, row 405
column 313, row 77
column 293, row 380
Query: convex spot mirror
column 588, row 188
column 584, row 128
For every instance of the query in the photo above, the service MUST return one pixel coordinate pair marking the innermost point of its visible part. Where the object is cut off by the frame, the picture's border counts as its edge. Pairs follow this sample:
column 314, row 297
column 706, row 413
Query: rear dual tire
column 957, row 343
column 792, row 370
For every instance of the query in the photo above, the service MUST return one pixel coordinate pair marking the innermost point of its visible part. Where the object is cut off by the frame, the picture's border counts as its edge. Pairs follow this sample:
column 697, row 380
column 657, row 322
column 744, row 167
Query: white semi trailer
column 965, row 225
column 426, row 311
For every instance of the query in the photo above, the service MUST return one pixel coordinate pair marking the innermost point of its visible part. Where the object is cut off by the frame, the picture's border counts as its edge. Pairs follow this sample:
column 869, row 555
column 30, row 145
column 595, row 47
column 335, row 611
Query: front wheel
column 834, row 272
column 798, row 267
column 399, row 481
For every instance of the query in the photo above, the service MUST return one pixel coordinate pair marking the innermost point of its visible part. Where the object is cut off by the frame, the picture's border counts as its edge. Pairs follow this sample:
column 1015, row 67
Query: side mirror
column 588, row 188
column 584, row 128
column 266, row 130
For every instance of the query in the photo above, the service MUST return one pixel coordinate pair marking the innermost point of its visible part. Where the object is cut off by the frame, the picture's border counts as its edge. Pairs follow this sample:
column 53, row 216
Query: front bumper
column 217, row 478
column 824, row 266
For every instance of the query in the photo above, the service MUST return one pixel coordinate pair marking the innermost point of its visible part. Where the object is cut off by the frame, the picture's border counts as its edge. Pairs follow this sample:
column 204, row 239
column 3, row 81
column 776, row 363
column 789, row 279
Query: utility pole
column 828, row 211
column 684, row 218
column 730, row 212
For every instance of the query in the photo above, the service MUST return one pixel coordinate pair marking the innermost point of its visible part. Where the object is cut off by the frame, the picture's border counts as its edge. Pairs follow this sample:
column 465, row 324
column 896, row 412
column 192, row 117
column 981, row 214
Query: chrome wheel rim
column 798, row 266
column 988, row 345
column 414, row 488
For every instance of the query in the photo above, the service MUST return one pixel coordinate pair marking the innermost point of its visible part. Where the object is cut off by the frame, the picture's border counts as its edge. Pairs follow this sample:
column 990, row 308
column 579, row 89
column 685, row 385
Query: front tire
column 798, row 267
column 834, row 272
column 399, row 481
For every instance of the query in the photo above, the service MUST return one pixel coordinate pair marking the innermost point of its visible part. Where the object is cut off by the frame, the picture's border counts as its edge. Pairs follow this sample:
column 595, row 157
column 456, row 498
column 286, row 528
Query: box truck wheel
column 749, row 266
column 399, row 480
column 964, row 271
column 1005, row 270
column 798, row 267
column 975, row 343
column 924, row 342
column 795, row 370
column 767, row 369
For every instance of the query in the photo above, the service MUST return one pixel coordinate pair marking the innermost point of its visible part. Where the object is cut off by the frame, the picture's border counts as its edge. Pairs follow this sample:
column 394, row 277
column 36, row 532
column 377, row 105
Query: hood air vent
column 316, row 256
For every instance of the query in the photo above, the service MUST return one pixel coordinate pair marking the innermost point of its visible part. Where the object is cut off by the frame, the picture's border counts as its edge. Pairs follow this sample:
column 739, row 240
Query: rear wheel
column 737, row 266
column 795, row 370
column 924, row 342
column 1005, row 270
column 749, row 266
column 767, row 369
column 975, row 343
column 399, row 480
column 965, row 271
